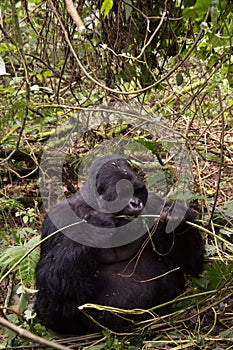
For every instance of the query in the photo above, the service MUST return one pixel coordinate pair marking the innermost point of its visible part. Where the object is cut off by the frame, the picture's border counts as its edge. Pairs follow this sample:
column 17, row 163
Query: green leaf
column 128, row 9
column 25, row 219
column 228, row 333
column 25, row 270
column 106, row 7
column 189, row 3
column 197, row 11
column 23, row 300
column 226, row 232
column 214, row 12
column 179, row 79
column 217, row 274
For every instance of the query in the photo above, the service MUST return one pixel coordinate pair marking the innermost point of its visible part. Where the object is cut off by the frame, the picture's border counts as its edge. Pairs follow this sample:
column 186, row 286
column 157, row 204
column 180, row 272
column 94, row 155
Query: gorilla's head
column 118, row 189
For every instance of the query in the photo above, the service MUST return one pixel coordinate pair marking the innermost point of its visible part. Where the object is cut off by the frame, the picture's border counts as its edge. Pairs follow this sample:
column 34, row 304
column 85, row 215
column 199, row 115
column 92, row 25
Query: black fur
column 70, row 274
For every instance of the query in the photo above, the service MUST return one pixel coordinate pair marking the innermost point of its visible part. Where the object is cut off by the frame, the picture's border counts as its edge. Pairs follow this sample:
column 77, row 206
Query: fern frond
column 25, row 270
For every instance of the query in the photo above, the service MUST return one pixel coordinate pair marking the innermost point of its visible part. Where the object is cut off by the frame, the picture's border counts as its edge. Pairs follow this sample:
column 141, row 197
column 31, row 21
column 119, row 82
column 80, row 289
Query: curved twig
column 139, row 91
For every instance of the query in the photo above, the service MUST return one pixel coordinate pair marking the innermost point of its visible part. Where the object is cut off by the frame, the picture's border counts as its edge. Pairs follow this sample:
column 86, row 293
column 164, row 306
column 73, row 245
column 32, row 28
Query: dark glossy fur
column 70, row 274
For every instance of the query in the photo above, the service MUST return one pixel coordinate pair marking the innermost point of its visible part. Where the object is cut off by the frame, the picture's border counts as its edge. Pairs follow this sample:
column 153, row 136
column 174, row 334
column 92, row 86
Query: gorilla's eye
column 100, row 190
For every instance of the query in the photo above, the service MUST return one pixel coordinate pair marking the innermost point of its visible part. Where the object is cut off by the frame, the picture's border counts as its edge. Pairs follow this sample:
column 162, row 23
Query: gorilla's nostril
column 135, row 203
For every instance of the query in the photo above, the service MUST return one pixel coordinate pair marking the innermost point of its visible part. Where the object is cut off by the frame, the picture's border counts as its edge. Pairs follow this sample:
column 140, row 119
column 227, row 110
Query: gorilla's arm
column 188, row 251
column 66, row 268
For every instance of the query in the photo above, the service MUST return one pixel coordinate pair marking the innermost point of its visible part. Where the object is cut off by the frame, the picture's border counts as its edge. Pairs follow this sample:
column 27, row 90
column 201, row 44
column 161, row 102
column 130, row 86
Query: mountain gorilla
column 118, row 251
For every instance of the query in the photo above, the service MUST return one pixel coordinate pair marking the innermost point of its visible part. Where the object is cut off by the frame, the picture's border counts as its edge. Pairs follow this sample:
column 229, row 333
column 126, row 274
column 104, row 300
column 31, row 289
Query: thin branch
column 28, row 335
column 74, row 15
column 221, row 154
column 139, row 91
column 156, row 30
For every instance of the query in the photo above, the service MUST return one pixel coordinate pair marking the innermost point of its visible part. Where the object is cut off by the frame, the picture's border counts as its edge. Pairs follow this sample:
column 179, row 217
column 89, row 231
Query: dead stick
column 74, row 14
column 28, row 335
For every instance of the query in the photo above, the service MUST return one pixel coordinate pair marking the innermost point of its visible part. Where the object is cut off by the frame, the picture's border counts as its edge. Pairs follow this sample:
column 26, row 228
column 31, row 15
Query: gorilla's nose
column 135, row 205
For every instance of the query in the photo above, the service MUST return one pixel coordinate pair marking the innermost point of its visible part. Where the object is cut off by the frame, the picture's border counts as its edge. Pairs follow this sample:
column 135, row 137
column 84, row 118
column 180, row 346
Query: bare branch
column 28, row 335
column 74, row 15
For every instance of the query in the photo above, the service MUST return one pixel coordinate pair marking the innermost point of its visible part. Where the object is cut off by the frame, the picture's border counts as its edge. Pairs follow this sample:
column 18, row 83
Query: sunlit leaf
column 106, row 7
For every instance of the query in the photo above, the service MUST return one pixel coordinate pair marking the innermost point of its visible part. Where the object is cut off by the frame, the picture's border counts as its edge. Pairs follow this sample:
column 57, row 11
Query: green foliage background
column 175, row 57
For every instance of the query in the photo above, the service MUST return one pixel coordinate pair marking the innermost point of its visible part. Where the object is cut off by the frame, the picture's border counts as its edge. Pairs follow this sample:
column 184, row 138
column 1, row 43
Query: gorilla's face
column 119, row 188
